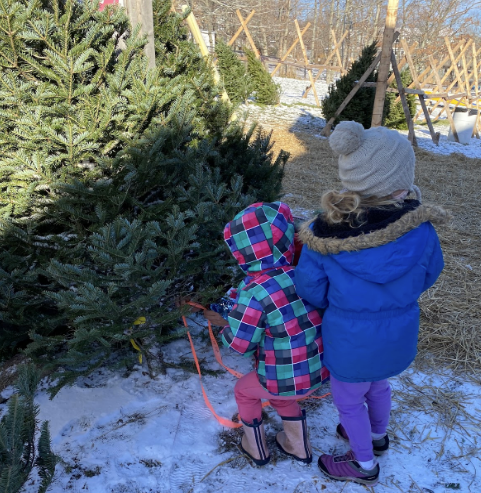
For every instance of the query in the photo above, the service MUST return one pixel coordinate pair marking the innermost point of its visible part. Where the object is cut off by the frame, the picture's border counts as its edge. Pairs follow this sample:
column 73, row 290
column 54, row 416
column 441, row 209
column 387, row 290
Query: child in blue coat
column 366, row 260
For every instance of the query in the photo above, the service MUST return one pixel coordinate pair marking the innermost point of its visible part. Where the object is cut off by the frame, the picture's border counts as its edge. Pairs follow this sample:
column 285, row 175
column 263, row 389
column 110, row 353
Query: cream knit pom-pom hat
column 376, row 162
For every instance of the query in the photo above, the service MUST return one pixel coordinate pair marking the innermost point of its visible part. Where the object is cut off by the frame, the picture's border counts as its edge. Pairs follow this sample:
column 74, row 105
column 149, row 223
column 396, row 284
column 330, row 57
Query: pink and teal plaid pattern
column 262, row 236
column 269, row 319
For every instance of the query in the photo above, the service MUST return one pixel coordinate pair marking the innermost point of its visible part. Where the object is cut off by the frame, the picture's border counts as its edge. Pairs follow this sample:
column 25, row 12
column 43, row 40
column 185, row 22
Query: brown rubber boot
column 294, row 440
column 253, row 443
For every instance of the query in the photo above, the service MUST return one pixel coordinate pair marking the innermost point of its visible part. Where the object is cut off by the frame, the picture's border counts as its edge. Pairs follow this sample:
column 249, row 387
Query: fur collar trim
column 407, row 222
column 373, row 218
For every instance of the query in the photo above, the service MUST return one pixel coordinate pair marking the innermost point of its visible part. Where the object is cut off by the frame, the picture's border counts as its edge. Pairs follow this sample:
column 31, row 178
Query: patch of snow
column 137, row 435
column 302, row 114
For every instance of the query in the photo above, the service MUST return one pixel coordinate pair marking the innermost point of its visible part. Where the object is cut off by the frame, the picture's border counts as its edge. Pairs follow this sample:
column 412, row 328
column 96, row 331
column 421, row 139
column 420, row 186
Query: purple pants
column 359, row 421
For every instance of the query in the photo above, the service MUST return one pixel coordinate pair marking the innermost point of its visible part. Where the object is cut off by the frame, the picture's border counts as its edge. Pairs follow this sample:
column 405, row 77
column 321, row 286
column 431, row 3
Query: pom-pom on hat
column 376, row 162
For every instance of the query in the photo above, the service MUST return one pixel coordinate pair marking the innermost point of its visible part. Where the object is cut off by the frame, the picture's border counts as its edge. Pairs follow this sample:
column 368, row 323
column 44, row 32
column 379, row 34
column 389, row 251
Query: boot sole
column 377, row 453
column 257, row 462
column 306, row 460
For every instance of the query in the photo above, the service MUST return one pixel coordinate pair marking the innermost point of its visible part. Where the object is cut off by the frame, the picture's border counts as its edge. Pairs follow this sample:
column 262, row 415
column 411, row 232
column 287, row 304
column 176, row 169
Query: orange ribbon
column 223, row 421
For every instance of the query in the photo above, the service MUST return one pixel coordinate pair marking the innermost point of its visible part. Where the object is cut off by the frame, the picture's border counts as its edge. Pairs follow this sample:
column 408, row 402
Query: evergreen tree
column 361, row 105
column 18, row 455
column 237, row 83
column 265, row 89
column 118, row 181
column 394, row 116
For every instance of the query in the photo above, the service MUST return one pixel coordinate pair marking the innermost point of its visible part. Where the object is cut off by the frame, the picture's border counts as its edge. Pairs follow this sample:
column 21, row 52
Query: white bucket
column 464, row 122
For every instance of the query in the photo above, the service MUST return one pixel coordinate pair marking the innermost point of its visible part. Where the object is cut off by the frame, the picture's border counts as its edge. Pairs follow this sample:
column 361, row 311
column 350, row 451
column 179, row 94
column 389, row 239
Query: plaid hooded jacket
column 269, row 319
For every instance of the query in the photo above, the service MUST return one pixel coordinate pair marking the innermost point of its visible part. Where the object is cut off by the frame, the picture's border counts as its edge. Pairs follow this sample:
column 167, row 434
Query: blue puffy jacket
column 369, row 280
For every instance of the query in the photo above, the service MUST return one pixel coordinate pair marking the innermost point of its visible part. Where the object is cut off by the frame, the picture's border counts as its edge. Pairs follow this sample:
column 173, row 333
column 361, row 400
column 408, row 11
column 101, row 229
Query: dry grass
column 451, row 408
column 451, row 310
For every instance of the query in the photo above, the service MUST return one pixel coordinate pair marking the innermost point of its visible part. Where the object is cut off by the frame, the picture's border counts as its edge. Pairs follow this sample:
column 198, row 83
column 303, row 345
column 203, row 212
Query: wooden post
column 194, row 29
column 326, row 62
column 434, row 135
column 412, row 67
column 446, row 75
column 248, row 34
column 326, row 131
column 446, row 101
column 383, row 71
column 336, row 49
column 236, row 35
column 402, row 62
column 461, row 84
column 306, row 60
column 476, row 81
column 287, row 53
column 426, row 71
column 407, row 114
column 140, row 12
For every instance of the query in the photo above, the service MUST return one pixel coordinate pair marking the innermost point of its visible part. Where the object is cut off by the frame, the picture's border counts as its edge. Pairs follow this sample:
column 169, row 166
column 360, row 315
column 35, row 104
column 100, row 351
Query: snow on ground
column 473, row 149
column 303, row 115
column 131, row 434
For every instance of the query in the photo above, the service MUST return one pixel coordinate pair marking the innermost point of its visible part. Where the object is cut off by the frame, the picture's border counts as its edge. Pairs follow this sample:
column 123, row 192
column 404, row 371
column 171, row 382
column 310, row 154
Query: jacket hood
column 396, row 251
column 262, row 236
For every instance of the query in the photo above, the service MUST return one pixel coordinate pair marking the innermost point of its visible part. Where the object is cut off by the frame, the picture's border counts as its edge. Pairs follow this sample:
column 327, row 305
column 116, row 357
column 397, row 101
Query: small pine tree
column 265, row 89
column 394, row 116
column 237, row 83
column 18, row 455
column 361, row 105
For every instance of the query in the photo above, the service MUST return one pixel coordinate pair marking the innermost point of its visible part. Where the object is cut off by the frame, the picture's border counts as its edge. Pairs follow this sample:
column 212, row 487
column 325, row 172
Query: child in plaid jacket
column 270, row 321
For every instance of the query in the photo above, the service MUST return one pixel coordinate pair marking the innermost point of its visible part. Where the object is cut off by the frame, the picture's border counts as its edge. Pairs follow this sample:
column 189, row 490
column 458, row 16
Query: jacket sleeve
column 311, row 279
column 435, row 265
column 246, row 325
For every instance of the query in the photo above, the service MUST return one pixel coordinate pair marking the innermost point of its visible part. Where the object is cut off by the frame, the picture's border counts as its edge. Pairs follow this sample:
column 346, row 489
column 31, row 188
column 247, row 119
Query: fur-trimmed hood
column 339, row 242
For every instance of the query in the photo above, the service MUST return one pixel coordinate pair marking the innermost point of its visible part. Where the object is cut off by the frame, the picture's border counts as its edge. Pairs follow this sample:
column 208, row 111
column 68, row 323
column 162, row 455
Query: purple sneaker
column 378, row 446
column 346, row 468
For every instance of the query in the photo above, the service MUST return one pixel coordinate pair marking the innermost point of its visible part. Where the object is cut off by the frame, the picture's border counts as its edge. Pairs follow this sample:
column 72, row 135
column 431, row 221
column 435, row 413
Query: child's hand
column 214, row 318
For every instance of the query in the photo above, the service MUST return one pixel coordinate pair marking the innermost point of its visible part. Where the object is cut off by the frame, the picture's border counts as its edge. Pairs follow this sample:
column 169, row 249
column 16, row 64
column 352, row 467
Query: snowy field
column 131, row 434
column 303, row 115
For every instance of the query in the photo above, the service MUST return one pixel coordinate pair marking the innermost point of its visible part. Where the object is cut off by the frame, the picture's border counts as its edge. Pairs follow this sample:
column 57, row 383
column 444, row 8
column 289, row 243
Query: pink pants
column 249, row 392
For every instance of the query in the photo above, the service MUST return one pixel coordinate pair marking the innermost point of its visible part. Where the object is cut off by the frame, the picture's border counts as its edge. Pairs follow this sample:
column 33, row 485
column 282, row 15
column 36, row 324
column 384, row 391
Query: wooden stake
column 238, row 32
column 194, row 29
column 412, row 67
column 140, row 12
column 383, row 71
column 439, row 66
column 455, row 66
column 434, row 135
column 446, row 103
column 336, row 49
column 476, row 81
column 326, row 131
column 306, row 60
column 402, row 63
column 407, row 114
column 248, row 34
column 287, row 53
column 326, row 62
column 446, row 75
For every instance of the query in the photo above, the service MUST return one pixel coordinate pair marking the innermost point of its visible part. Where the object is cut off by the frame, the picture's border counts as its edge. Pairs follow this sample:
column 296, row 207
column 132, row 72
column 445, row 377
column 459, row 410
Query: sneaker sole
column 350, row 478
column 377, row 453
